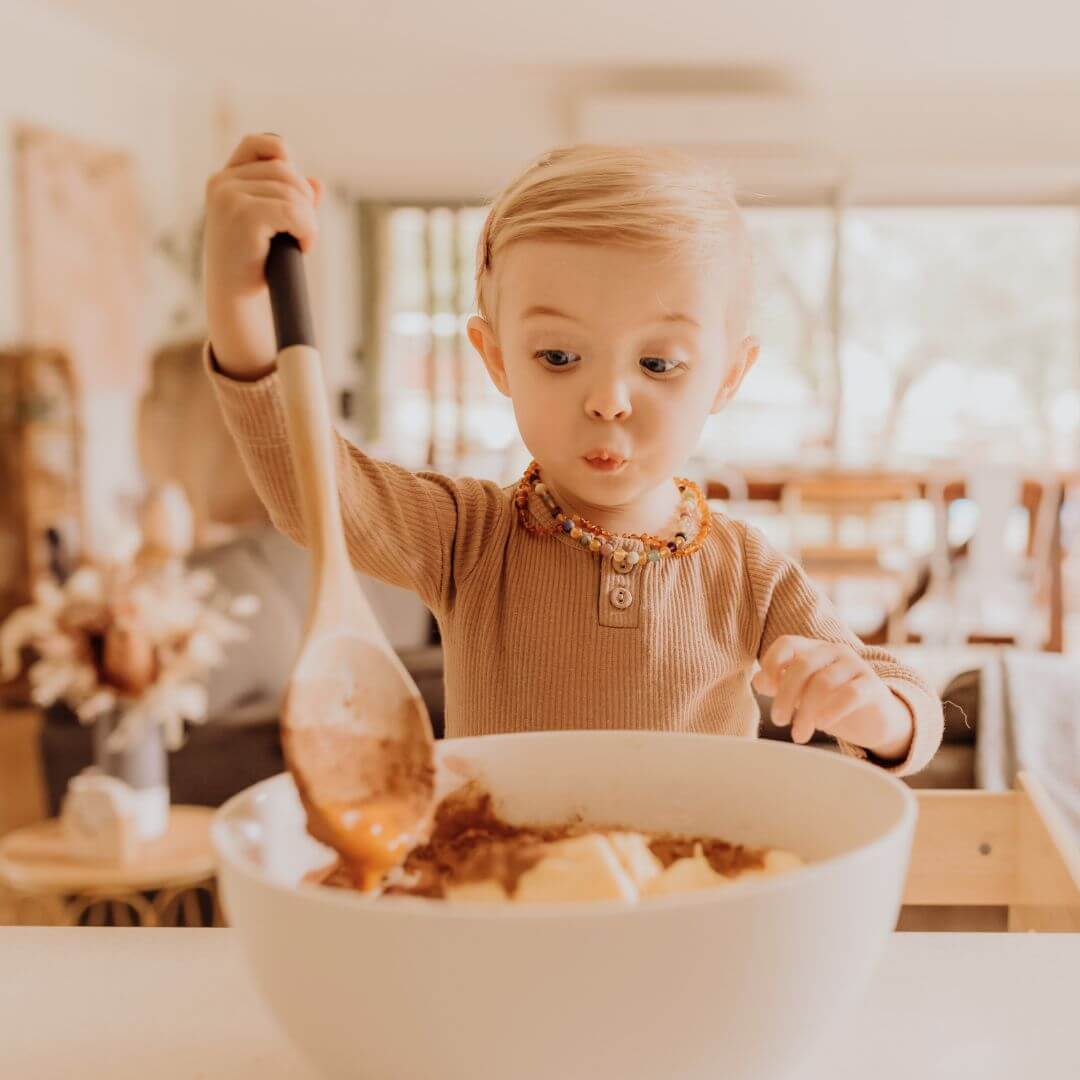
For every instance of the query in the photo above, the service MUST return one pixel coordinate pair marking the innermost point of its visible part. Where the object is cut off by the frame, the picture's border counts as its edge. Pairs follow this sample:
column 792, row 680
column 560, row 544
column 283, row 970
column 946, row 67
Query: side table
column 43, row 883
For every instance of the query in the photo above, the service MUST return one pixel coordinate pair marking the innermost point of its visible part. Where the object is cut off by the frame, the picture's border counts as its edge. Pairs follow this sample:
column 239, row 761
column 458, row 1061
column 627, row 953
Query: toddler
column 613, row 294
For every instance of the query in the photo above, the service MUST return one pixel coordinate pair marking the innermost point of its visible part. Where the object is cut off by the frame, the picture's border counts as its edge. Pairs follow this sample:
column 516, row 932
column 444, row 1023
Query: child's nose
column 608, row 400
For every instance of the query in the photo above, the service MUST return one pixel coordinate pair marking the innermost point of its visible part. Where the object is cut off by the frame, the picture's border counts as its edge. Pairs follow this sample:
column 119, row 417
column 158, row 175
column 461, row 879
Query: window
column 785, row 404
column 959, row 335
column 953, row 332
column 437, row 404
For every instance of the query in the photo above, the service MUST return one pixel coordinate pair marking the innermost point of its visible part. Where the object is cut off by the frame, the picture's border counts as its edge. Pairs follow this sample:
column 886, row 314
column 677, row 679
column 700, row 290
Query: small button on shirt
column 621, row 598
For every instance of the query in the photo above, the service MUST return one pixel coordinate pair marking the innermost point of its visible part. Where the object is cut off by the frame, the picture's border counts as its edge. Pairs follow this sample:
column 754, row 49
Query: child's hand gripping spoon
column 355, row 730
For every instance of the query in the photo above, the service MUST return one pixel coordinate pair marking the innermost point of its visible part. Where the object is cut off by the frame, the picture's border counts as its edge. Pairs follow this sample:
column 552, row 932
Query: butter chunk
column 485, row 892
column 581, row 868
column 635, row 856
column 685, row 875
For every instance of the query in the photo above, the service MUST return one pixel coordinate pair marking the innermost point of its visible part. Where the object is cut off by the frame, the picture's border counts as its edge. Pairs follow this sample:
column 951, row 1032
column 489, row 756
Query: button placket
column 619, row 599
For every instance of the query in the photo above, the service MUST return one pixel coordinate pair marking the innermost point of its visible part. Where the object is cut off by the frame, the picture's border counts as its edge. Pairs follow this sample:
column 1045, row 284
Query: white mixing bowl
column 739, row 981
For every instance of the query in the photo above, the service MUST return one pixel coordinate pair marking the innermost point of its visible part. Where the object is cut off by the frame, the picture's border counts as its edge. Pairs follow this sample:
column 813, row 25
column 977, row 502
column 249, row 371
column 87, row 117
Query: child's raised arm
column 422, row 532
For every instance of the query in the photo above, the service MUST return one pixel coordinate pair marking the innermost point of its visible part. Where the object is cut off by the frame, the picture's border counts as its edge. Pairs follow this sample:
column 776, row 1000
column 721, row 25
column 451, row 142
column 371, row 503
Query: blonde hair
column 638, row 196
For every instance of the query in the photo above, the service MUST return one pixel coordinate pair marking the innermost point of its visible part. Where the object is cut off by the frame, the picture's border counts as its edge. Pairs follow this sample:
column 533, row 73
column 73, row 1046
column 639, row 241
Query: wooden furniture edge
column 1011, row 849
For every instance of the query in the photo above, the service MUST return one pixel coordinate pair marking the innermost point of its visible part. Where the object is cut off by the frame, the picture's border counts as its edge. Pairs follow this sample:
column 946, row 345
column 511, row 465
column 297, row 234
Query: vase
column 143, row 764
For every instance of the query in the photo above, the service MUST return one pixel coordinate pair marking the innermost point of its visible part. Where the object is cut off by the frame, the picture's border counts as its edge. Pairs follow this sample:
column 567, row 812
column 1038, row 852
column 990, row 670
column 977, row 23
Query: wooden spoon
column 355, row 730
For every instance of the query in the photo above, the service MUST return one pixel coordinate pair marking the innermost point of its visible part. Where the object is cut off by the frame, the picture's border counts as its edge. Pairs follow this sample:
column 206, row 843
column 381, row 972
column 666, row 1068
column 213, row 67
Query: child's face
column 613, row 349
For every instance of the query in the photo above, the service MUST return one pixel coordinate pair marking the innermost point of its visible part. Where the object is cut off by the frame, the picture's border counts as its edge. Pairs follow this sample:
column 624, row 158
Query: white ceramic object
column 103, row 817
column 99, row 818
column 741, row 981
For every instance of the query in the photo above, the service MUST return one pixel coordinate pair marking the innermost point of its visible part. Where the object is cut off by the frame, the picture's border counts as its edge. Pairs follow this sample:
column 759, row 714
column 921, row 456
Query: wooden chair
column 983, row 592
column 848, row 532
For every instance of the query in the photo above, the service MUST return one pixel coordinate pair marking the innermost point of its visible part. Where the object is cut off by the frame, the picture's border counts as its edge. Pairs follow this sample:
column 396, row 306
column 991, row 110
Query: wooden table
column 178, row 1005
column 45, row 883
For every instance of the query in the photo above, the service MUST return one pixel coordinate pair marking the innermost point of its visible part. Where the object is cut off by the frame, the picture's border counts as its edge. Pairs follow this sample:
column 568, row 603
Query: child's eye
column 657, row 365
column 557, row 358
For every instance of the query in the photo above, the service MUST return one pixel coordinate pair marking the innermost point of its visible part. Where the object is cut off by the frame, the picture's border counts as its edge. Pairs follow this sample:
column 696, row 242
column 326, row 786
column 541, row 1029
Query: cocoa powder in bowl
column 469, row 842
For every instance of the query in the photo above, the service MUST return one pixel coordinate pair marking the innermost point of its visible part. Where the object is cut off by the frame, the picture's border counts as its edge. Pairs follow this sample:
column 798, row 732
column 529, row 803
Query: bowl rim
column 223, row 843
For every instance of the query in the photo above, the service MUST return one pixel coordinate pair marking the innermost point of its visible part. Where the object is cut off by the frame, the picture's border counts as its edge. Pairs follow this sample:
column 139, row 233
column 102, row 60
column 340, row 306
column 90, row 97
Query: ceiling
column 810, row 44
column 421, row 97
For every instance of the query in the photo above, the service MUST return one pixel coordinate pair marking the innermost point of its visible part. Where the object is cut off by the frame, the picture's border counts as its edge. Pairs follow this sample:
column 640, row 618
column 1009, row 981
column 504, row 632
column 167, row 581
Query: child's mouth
column 604, row 460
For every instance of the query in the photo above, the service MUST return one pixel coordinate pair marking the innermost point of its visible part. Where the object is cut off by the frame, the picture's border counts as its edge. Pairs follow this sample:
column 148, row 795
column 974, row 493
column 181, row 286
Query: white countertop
column 177, row 1005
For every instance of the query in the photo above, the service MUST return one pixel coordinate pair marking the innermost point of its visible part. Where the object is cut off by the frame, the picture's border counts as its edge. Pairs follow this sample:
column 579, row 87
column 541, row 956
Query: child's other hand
column 257, row 194
column 827, row 686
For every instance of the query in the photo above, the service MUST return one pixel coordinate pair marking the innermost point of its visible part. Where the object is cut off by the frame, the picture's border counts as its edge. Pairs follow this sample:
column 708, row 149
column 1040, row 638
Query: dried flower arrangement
column 132, row 636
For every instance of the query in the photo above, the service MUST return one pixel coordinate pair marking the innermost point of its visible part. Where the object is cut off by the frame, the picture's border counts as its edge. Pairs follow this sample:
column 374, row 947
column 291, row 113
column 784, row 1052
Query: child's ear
column 748, row 354
column 482, row 336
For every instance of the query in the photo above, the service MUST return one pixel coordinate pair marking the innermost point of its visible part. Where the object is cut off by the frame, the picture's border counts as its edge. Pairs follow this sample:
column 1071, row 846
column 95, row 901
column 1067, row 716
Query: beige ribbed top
column 539, row 633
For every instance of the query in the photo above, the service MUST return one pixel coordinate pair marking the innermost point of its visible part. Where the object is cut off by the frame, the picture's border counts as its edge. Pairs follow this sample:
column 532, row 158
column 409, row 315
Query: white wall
column 414, row 130
column 57, row 74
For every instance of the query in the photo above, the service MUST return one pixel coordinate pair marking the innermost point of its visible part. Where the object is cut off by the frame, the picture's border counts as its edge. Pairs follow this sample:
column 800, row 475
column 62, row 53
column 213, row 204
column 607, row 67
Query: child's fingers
column 829, row 695
column 277, row 215
column 795, row 678
column 763, row 683
column 278, row 171
column 782, row 651
column 275, row 189
column 263, row 147
column 819, row 697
